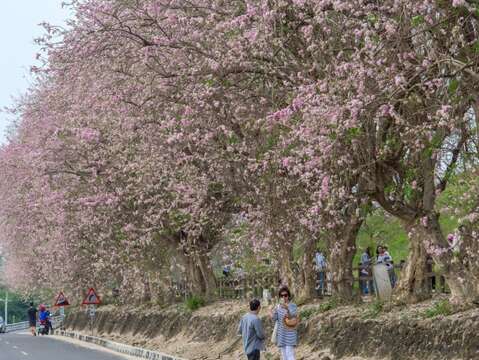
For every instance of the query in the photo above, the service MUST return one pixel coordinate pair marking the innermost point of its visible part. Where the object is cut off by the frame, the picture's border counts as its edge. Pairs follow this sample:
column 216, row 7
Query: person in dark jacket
column 32, row 318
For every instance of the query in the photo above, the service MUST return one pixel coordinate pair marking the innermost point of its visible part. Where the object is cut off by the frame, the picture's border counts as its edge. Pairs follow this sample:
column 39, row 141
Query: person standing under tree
column 367, row 287
column 385, row 258
column 32, row 319
column 251, row 329
column 321, row 266
column 285, row 317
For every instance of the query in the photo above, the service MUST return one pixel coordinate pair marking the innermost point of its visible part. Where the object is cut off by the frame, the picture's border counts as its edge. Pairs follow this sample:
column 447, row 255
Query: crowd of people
column 323, row 275
column 367, row 260
column 365, row 268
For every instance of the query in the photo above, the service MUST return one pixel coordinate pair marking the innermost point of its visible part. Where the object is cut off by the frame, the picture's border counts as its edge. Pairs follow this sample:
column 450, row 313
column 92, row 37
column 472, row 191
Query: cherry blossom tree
column 154, row 123
column 391, row 103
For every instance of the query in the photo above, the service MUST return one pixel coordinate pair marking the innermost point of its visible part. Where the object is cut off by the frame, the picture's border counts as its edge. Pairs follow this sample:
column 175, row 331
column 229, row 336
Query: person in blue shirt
column 43, row 318
column 43, row 313
column 321, row 266
column 367, row 287
column 226, row 270
column 251, row 329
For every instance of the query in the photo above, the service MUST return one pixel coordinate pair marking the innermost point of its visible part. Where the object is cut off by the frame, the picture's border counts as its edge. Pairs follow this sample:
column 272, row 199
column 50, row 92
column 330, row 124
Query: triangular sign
column 91, row 298
column 61, row 300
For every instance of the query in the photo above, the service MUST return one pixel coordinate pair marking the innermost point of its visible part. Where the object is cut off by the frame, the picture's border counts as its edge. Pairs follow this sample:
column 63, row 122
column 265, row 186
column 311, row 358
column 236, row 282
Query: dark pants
column 392, row 277
column 320, row 282
column 49, row 327
column 254, row 355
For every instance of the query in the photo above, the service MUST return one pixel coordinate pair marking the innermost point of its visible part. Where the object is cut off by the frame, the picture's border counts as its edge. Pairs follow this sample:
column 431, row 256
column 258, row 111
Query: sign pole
column 91, row 300
column 61, row 301
column 62, row 317
column 91, row 314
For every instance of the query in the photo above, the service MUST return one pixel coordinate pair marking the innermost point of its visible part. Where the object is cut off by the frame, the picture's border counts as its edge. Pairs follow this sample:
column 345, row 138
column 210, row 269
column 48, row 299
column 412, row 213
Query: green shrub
column 442, row 307
column 194, row 302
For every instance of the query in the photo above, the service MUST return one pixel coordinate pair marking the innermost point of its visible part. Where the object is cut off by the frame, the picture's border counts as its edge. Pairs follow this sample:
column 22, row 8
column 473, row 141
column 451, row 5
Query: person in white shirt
column 385, row 258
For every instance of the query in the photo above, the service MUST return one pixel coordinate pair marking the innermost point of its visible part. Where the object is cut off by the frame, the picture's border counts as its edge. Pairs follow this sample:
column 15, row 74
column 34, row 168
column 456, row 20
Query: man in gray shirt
column 251, row 329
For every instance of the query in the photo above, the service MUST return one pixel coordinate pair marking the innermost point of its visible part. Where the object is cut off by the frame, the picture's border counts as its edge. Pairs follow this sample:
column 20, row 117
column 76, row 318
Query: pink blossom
column 89, row 135
column 325, row 186
column 424, row 221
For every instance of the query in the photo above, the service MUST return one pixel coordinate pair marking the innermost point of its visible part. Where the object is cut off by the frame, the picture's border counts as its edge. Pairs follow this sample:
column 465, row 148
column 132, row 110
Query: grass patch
column 329, row 305
column 374, row 309
column 268, row 356
column 194, row 302
column 307, row 313
column 442, row 307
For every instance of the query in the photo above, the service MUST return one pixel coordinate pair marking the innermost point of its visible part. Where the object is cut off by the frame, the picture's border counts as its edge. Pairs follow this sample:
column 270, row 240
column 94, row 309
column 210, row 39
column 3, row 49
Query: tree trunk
column 469, row 245
column 414, row 286
column 146, row 289
column 307, row 281
column 342, row 250
column 207, row 276
column 460, row 278
column 201, row 278
column 341, row 266
column 195, row 283
column 463, row 286
column 285, row 267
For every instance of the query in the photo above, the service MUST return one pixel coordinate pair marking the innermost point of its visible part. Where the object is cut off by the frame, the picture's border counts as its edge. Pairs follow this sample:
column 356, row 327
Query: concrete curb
column 117, row 347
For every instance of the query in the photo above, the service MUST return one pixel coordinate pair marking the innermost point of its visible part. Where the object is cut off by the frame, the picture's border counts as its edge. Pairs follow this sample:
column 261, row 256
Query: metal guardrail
column 56, row 322
column 120, row 348
column 17, row 326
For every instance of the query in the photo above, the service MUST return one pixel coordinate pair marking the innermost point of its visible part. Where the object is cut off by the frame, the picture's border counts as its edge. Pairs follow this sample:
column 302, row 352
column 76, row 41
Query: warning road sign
column 91, row 298
column 61, row 300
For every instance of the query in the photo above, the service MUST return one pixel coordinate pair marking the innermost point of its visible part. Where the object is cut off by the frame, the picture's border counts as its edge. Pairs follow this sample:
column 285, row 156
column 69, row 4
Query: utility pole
column 6, row 306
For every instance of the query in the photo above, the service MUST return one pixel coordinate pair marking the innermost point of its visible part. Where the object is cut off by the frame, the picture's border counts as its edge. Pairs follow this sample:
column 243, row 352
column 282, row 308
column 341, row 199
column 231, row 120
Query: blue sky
column 19, row 21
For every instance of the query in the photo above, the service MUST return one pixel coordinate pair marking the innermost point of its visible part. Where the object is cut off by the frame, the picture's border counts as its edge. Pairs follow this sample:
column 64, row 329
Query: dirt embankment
column 351, row 332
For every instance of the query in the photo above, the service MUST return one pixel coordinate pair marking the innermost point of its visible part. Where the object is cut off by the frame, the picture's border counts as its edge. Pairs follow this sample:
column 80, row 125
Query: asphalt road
column 24, row 346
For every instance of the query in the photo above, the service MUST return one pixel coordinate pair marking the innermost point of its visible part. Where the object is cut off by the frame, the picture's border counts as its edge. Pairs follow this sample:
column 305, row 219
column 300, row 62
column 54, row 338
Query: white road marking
column 15, row 346
column 24, row 353
column 6, row 342
column 24, row 333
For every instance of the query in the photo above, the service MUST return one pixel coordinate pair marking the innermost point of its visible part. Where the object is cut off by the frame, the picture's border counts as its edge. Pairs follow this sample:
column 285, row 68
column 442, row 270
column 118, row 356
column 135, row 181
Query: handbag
column 291, row 322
